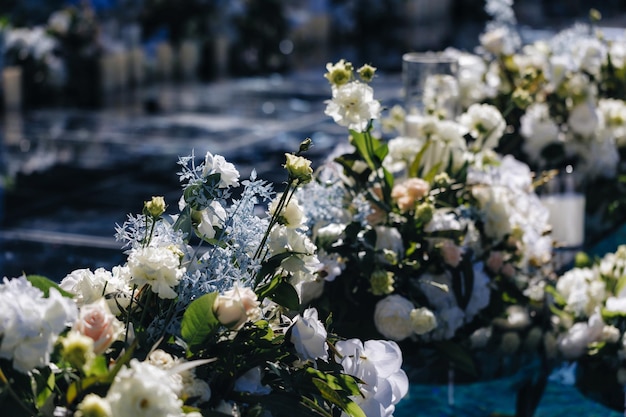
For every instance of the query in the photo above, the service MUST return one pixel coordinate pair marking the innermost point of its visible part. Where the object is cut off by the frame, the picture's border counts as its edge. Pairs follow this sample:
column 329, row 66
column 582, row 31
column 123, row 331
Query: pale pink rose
column 98, row 323
column 451, row 253
column 408, row 192
column 236, row 306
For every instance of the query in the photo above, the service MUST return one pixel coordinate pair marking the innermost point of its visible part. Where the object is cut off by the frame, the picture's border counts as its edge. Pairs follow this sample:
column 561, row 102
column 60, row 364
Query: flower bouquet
column 432, row 240
column 591, row 308
column 563, row 100
column 204, row 318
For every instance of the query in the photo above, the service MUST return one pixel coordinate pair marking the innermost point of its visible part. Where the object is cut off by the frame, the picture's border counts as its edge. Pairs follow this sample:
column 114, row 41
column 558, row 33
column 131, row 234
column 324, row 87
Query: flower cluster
column 591, row 311
column 439, row 240
column 204, row 317
column 563, row 99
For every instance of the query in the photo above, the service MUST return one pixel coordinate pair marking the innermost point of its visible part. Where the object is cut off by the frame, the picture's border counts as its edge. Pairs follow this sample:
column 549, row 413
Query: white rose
column 212, row 216
column 292, row 214
column 480, row 337
column 423, row 320
column 158, row 267
column 583, row 119
column 237, row 306
column 250, row 382
column 309, row 336
column 389, row 238
column 144, row 390
column 392, row 317
column 216, row 164
column 353, row 105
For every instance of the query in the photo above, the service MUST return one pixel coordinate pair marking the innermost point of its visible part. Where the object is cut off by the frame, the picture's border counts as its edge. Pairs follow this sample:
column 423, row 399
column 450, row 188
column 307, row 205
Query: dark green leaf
column 44, row 284
column 199, row 321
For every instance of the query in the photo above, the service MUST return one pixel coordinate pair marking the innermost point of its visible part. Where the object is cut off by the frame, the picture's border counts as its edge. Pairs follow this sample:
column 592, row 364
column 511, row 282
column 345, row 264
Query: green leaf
column 44, row 284
column 285, row 295
column 342, row 382
column 184, row 223
column 417, row 162
column 331, row 395
column 199, row 321
column 270, row 265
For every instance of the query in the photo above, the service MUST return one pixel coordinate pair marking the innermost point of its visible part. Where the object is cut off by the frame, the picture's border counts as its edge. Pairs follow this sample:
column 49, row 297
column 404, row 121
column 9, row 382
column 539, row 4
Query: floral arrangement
column 204, row 318
column 562, row 99
column 590, row 304
column 430, row 239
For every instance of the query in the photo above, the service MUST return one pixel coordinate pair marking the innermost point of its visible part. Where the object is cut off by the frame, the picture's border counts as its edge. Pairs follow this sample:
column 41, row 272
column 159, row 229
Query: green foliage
column 199, row 322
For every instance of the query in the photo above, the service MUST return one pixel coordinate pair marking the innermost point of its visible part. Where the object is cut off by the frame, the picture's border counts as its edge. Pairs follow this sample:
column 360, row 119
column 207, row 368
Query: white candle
column 12, row 88
column 567, row 217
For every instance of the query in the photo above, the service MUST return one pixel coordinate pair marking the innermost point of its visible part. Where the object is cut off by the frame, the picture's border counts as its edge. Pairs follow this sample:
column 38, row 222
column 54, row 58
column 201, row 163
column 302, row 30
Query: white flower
column 158, row 267
column 144, row 390
column 575, row 342
column 250, row 382
column 309, row 336
column 88, row 287
column 30, row 323
column 402, row 153
column 538, row 130
column 480, row 337
column 217, row 164
column 583, row 291
column 378, row 364
column 583, row 119
column 93, row 406
column 496, row 207
column 423, row 320
column 353, row 105
column 485, row 124
column 212, row 216
column 589, row 55
column 98, row 323
column 390, row 239
column 614, row 116
column 291, row 215
column 237, row 306
column 392, row 317
column 283, row 239
column 495, row 41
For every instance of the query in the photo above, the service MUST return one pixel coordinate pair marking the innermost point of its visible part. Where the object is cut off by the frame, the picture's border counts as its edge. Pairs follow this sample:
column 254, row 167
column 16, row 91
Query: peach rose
column 408, row 192
column 98, row 323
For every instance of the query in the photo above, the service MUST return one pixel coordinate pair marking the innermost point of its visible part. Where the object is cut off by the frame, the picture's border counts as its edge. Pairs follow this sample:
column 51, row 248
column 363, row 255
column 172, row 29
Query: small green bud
column 305, row 145
column 93, row 406
column 339, row 73
column 367, row 73
column 521, row 98
column 595, row 15
column 381, row 282
column 155, row 207
column 424, row 212
column 77, row 349
column 299, row 168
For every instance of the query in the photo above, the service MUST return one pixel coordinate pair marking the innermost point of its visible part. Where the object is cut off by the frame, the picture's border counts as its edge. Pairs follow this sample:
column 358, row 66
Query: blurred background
column 99, row 98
